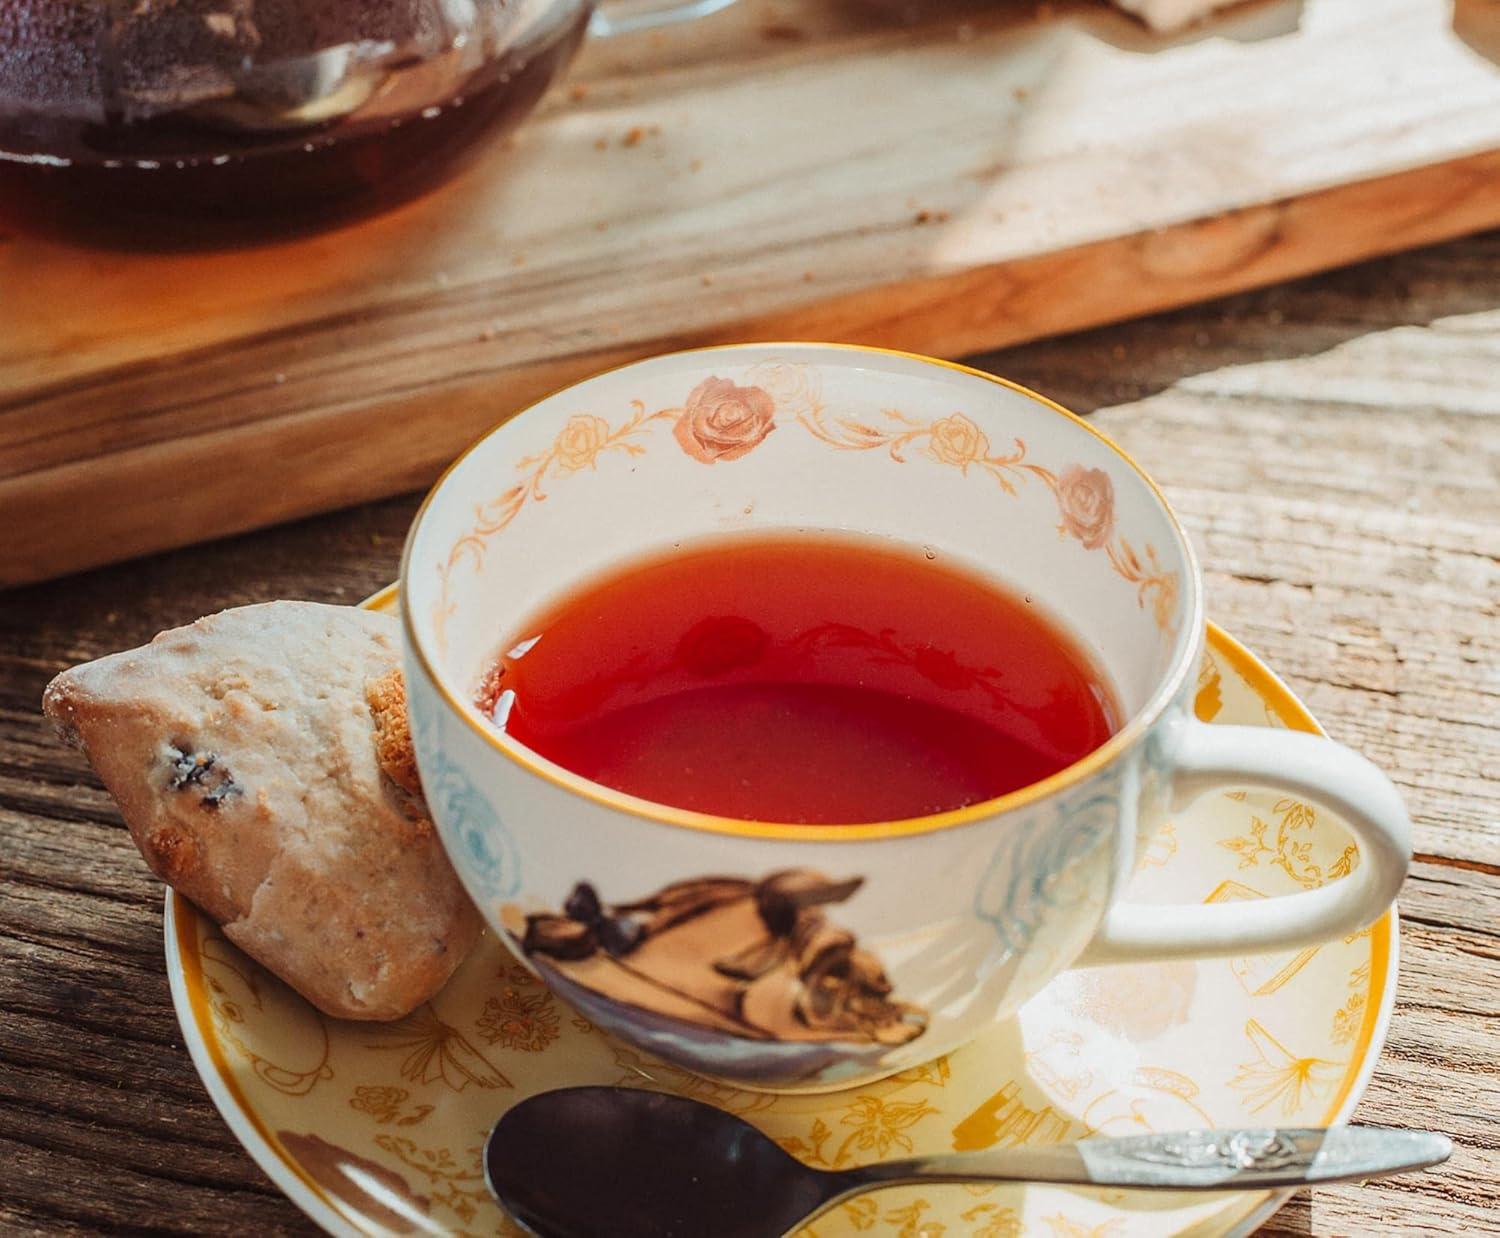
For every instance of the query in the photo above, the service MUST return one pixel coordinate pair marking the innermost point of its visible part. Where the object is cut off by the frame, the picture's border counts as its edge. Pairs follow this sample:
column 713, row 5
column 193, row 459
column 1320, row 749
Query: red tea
column 804, row 679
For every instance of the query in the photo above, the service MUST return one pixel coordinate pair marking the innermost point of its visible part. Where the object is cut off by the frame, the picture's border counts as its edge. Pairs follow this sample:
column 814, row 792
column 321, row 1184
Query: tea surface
column 801, row 678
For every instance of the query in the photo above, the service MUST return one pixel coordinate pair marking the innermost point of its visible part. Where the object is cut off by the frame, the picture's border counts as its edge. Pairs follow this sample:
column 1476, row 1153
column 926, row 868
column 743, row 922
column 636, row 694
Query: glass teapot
column 216, row 111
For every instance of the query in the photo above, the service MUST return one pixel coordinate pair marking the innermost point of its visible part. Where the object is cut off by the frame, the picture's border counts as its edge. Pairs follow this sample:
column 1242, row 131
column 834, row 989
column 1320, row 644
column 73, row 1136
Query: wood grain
column 1334, row 446
column 980, row 175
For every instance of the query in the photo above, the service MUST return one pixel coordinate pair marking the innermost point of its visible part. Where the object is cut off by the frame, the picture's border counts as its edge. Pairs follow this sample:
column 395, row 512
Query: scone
column 245, row 752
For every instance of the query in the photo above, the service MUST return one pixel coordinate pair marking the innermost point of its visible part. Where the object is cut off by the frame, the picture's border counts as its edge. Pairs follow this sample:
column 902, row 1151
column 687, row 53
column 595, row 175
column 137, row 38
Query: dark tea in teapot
column 186, row 114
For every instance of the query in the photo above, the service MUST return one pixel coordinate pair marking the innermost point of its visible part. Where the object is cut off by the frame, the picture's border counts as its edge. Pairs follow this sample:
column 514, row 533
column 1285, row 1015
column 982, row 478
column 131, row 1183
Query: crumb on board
column 578, row 93
column 601, row 143
column 931, row 217
column 636, row 134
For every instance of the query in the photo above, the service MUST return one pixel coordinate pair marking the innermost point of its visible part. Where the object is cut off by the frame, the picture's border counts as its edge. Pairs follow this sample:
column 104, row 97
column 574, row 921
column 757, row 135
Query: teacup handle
column 1207, row 758
column 627, row 16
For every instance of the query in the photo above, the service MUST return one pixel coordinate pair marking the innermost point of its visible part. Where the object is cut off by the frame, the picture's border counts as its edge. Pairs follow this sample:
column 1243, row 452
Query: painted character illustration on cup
column 759, row 961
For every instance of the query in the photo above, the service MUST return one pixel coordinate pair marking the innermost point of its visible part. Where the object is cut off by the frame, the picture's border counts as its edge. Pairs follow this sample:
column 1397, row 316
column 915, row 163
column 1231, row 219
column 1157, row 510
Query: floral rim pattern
column 721, row 421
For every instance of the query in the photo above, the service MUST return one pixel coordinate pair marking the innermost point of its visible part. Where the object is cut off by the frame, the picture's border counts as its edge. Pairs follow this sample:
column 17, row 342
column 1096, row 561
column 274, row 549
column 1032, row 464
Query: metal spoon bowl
column 582, row 1162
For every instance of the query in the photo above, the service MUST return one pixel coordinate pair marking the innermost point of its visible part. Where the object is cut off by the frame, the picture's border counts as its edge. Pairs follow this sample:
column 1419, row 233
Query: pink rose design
column 1086, row 499
column 722, row 421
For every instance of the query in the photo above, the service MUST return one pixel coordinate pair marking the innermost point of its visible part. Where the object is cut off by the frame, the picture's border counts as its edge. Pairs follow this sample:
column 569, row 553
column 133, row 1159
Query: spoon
column 583, row 1162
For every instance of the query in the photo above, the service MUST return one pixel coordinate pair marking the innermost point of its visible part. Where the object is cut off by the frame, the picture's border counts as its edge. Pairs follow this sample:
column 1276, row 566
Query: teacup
column 948, row 922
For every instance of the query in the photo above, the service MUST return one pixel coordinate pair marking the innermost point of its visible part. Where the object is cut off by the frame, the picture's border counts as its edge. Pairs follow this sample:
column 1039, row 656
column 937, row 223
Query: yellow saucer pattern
column 384, row 1123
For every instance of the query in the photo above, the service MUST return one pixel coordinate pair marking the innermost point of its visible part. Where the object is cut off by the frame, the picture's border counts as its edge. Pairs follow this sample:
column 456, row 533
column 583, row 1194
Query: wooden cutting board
column 981, row 174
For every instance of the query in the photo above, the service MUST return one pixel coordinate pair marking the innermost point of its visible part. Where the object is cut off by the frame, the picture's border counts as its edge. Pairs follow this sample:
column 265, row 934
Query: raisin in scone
column 261, row 760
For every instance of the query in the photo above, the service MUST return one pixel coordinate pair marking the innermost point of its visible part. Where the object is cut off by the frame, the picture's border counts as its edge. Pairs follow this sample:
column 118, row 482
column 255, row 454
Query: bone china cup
column 795, row 957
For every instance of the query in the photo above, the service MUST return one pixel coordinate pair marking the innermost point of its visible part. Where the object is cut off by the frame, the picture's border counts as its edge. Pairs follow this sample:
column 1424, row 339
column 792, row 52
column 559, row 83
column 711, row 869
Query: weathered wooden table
column 1334, row 447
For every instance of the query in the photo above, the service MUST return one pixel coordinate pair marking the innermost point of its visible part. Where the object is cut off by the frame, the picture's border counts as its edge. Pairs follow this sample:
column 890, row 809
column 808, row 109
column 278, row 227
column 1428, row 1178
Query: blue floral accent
column 466, row 812
column 1033, row 869
column 1156, row 769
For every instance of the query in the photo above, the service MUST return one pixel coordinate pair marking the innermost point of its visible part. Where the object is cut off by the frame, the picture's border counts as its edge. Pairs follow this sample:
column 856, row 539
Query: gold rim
column 1189, row 646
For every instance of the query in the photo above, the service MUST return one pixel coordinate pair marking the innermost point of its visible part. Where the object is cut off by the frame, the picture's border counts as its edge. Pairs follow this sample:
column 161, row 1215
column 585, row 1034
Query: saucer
column 377, row 1128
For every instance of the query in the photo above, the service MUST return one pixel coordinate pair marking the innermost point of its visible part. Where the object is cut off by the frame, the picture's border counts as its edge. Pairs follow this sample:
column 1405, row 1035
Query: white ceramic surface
column 969, row 913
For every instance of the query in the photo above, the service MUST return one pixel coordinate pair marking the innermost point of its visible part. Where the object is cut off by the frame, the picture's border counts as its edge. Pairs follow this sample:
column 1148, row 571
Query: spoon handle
column 1207, row 1160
